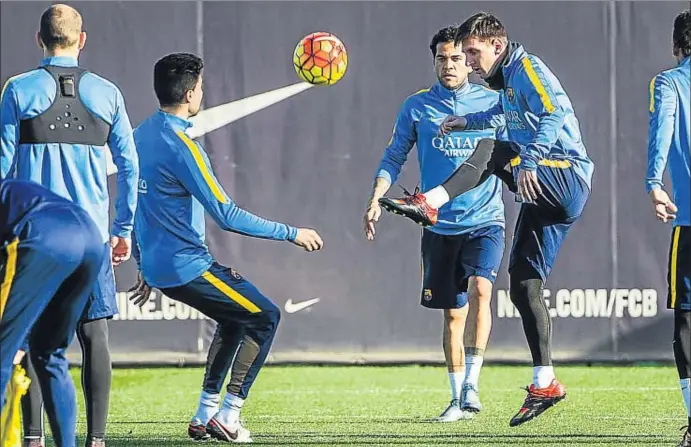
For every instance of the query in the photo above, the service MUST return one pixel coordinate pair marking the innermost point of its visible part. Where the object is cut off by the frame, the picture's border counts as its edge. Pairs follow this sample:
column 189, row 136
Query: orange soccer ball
column 320, row 58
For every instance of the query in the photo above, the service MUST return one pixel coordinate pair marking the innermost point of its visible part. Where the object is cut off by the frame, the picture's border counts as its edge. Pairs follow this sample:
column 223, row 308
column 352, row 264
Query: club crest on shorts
column 427, row 294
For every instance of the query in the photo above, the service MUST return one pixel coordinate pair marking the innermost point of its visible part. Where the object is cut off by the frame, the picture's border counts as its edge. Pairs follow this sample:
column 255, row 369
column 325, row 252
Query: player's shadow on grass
column 415, row 439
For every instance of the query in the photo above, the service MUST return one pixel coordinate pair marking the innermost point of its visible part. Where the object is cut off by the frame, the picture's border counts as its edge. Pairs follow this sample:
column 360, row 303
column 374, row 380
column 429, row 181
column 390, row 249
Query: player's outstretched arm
column 198, row 177
column 121, row 143
column 395, row 155
column 9, row 133
column 663, row 104
column 489, row 119
column 534, row 85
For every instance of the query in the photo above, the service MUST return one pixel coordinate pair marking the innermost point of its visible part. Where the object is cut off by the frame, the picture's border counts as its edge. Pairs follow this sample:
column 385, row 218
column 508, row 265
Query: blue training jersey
column 18, row 199
column 418, row 124
column 668, row 136
column 538, row 115
column 74, row 171
column 176, row 186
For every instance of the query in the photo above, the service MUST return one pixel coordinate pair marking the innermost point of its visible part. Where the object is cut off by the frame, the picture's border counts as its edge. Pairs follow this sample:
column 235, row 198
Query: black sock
column 526, row 295
column 681, row 343
column 32, row 403
column 490, row 157
column 96, row 374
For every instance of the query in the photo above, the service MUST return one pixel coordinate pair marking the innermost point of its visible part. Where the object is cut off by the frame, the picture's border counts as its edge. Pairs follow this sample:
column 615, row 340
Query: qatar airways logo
column 514, row 121
column 455, row 145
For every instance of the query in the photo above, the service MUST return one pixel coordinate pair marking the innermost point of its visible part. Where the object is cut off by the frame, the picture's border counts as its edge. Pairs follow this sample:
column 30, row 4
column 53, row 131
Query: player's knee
column 484, row 151
column 480, row 291
column 93, row 335
column 271, row 316
column 455, row 316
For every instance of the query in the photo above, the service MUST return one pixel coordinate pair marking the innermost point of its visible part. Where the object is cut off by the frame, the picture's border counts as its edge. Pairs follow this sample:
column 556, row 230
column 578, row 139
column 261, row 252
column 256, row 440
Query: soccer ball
column 320, row 59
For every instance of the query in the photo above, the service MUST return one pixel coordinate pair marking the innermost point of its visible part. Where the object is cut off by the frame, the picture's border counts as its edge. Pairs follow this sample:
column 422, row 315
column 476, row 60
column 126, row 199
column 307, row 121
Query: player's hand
column 121, row 249
column 452, row 123
column 308, row 239
column 528, row 185
column 18, row 357
column 371, row 217
column 141, row 290
column 665, row 209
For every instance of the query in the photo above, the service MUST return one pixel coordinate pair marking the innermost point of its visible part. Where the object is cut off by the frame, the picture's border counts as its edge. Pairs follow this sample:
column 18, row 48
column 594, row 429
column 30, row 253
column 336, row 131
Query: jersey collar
column 60, row 61
column 445, row 93
column 173, row 121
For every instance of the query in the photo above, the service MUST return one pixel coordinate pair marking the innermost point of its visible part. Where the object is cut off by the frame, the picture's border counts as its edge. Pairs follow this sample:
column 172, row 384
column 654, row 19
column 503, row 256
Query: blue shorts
column 449, row 260
column 542, row 226
column 679, row 271
column 102, row 301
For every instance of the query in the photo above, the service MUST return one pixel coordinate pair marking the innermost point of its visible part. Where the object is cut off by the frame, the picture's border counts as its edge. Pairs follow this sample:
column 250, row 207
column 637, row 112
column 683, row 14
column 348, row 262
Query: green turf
column 366, row 406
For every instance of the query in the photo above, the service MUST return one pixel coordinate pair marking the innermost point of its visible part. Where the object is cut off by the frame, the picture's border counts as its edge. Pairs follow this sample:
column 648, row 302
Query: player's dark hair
column 482, row 26
column 59, row 27
column 174, row 75
column 444, row 35
column 682, row 33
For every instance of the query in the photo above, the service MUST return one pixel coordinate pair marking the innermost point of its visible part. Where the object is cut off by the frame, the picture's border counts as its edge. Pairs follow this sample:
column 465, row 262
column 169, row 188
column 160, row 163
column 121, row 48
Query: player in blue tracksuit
column 545, row 162
column 58, row 121
column 462, row 253
column 176, row 187
column 50, row 254
column 669, row 144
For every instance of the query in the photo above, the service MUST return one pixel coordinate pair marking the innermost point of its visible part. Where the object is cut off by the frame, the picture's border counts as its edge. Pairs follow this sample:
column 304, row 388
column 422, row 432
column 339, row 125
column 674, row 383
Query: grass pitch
column 367, row 406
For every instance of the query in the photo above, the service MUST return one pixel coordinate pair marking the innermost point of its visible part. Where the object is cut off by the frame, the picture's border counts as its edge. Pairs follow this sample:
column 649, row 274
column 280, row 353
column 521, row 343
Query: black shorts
column 679, row 271
column 448, row 262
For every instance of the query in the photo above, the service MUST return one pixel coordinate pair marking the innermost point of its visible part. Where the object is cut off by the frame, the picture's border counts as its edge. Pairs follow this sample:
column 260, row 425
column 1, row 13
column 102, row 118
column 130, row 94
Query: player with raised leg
column 669, row 140
column 177, row 184
column 462, row 253
column 545, row 162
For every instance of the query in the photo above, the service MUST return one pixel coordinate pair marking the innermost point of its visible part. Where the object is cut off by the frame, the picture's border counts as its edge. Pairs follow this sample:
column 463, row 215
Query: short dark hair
column 444, row 35
column 60, row 27
column 483, row 26
column 174, row 75
column 682, row 33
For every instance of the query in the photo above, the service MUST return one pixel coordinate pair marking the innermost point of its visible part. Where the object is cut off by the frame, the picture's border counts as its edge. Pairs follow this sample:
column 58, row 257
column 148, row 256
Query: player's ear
column 498, row 45
column 82, row 40
column 39, row 42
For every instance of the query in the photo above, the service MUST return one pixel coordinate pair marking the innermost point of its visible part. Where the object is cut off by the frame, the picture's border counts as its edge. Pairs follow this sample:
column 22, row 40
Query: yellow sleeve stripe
column 10, row 270
column 673, row 268
column 2, row 93
column 535, row 80
column 559, row 164
column 652, row 95
column 230, row 293
column 210, row 182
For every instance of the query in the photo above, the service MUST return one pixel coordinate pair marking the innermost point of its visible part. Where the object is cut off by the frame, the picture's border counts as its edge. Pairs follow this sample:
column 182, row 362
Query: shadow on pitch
column 421, row 439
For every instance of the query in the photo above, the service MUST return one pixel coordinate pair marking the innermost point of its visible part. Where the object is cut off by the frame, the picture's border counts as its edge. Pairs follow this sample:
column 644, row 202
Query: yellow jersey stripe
column 673, row 267
column 652, row 95
column 561, row 164
column 210, row 182
column 230, row 293
column 10, row 271
column 535, row 80
column 2, row 93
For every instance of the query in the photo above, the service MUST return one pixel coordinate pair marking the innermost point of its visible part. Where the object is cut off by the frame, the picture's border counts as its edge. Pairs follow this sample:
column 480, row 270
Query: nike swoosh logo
column 216, row 117
column 292, row 307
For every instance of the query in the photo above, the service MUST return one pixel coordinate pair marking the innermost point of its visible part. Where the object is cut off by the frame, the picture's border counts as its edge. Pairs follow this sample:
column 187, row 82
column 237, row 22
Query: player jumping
column 669, row 139
column 177, row 185
column 462, row 253
column 545, row 162
column 51, row 255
